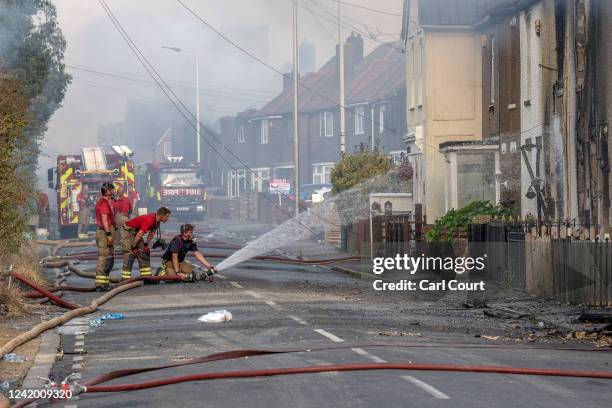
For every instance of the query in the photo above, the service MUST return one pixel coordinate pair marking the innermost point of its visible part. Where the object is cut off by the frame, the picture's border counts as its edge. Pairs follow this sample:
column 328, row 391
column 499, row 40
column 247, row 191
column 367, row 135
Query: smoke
column 229, row 80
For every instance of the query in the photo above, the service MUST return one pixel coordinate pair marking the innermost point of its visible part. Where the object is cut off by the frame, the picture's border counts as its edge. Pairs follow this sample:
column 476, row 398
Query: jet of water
column 352, row 205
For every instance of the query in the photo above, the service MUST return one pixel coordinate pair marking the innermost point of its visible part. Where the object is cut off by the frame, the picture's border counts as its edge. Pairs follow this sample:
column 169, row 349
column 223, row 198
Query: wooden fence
column 564, row 266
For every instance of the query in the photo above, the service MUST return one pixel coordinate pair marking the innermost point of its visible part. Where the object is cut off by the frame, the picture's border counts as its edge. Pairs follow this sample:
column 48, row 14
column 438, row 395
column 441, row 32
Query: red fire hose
column 236, row 354
column 349, row 367
column 44, row 291
column 272, row 258
column 49, row 293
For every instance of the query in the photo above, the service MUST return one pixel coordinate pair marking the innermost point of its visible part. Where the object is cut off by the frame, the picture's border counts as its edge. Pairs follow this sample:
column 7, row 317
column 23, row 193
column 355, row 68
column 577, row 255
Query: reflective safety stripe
column 145, row 271
column 126, row 274
column 102, row 279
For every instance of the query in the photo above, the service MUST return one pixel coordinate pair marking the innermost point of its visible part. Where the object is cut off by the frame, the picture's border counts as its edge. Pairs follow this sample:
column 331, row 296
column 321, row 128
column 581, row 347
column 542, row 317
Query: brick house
column 262, row 140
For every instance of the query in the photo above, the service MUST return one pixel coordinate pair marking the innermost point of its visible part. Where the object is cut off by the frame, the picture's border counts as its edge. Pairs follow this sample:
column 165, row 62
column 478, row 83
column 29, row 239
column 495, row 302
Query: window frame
column 264, row 131
column 241, row 134
column 325, row 118
column 359, row 114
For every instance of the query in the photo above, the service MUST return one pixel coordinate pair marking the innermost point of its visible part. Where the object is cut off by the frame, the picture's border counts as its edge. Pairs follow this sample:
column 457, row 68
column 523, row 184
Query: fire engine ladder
column 94, row 158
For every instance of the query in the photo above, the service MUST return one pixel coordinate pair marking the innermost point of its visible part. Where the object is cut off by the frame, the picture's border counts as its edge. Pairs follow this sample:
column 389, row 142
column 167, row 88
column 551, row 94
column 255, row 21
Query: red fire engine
column 92, row 168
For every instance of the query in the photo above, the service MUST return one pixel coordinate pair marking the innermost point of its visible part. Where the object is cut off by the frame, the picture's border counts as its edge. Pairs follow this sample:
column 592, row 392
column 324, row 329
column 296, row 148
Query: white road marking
column 79, row 336
column 78, row 350
column 273, row 305
column 78, row 358
column 79, row 343
column 364, row 353
column 297, row 319
column 70, row 406
column 330, row 336
column 426, row 387
column 236, row 285
column 253, row 294
column 77, row 366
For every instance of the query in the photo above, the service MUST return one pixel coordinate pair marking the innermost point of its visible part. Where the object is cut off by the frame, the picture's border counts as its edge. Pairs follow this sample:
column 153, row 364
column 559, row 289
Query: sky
column 230, row 81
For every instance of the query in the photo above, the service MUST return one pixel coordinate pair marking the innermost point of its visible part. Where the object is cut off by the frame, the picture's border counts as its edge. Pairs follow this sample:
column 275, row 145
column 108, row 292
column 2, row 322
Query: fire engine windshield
column 179, row 179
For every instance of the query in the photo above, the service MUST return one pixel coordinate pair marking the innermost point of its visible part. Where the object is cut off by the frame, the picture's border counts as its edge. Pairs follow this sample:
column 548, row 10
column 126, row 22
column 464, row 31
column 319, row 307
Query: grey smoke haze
column 229, row 80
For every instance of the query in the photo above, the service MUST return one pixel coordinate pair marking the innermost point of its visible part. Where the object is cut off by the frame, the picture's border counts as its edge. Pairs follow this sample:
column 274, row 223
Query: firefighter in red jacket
column 105, row 218
column 83, row 201
column 123, row 210
column 133, row 244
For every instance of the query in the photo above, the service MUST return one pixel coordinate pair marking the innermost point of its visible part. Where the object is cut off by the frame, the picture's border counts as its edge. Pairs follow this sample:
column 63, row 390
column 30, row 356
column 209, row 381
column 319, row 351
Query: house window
column 259, row 179
column 381, row 119
column 513, row 147
column 241, row 136
column 326, row 124
column 397, row 157
column 359, row 117
column 321, row 173
column 265, row 131
column 475, row 177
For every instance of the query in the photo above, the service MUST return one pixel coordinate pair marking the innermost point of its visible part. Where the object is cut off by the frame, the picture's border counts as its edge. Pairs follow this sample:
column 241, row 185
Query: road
column 334, row 319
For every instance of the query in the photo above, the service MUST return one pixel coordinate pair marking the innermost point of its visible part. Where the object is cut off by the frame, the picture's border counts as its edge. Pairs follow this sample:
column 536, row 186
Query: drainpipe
column 571, row 192
column 372, row 134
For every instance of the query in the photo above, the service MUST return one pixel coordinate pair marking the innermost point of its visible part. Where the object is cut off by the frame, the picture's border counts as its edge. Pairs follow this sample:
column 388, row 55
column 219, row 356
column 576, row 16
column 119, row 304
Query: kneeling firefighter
column 173, row 259
column 133, row 244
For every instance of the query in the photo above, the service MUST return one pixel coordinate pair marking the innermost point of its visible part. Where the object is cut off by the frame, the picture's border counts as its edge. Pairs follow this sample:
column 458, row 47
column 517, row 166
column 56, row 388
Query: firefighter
column 133, row 244
column 105, row 219
column 83, row 201
column 173, row 259
column 44, row 212
column 133, row 199
column 123, row 210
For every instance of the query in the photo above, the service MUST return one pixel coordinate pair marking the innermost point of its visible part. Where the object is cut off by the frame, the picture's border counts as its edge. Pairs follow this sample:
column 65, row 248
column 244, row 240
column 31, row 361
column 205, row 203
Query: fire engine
column 177, row 185
column 92, row 168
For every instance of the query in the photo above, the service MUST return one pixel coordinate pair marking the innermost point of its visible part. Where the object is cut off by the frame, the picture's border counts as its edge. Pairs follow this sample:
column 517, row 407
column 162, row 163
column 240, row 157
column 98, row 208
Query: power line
column 368, row 8
column 239, row 47
column 138, row 81
column 120, row 92
column 332, row 18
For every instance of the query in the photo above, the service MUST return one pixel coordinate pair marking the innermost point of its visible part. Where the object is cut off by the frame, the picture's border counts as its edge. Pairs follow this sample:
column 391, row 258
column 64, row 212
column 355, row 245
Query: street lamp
column 197, row 85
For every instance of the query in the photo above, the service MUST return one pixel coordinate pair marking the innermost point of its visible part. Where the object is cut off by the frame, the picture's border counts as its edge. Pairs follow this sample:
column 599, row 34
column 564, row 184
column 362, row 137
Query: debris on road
column 218, row 316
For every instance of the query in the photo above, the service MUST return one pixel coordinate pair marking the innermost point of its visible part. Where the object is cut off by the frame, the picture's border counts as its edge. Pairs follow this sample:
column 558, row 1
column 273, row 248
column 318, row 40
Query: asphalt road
column 283, row 307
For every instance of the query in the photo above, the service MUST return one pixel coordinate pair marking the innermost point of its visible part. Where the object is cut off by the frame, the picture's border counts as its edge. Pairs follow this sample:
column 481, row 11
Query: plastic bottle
column 14, row 358
column 112, row 316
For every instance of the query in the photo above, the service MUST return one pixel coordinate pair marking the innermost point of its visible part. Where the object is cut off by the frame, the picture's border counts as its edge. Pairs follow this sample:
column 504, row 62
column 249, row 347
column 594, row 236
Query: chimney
column 353, row 53
column 287, row 81
column 357, row 44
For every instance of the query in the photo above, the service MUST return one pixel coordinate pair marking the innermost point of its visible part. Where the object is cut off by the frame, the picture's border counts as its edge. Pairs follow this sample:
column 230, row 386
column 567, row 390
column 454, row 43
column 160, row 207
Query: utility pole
column 296, row 139
column 341, row 76
column 197, row 73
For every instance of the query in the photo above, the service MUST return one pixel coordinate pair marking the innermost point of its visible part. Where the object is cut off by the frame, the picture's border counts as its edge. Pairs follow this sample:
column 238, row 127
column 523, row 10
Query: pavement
column 331, row 316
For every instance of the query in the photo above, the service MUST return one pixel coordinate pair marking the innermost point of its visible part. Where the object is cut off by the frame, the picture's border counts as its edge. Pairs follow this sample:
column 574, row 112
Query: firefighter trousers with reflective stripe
column 144, row 259
column 106, row 259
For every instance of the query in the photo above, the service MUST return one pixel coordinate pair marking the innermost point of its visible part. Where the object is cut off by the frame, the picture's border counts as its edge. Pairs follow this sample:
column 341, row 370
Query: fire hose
column 92, row 385
column 75, row 309
column 272, row 258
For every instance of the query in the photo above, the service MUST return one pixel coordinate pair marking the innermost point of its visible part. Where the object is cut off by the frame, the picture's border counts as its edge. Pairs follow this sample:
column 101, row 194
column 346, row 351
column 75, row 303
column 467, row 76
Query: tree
column 354, row 169
column 358, row 175
column 33, row 82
